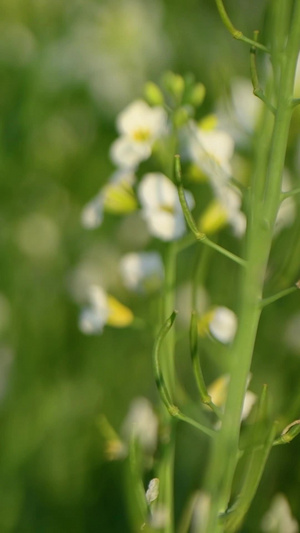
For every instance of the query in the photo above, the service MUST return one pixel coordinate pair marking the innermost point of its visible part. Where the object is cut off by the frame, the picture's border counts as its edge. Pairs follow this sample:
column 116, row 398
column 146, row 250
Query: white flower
column 240, row 115
column 142, row 272
column 286, row 214
column 246, row 106
column 211, row 150
column 279, row 517
column 230, row 200
column 200, row 510
column 224, row 209
column 159, row 517
column 92, row 213
column 139, row 126
column 93, row 318
column 249, row 400
column 218, row 390
column 142, row 424
column 152, row 490
column 161, row 207
column 117, row 197
column 287, row 209
column 223, row 324
column 103, row 309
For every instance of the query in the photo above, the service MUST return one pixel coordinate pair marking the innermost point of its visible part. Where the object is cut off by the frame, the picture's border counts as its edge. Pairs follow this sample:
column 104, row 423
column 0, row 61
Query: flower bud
column 153, row 94
column 197, row 94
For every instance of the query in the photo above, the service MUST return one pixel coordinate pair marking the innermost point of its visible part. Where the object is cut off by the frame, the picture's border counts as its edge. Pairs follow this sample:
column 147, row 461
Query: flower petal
column 92, row 213
column 156, row 190
column 142, row 271
column 126, row 153
column 165, row 226
column 91, row 322
column 223, row 325
column 139, row 116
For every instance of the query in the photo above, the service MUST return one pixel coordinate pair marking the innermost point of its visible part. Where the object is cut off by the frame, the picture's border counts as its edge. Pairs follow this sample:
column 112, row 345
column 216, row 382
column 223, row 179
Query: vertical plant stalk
column 265, row 201
column 166, row 466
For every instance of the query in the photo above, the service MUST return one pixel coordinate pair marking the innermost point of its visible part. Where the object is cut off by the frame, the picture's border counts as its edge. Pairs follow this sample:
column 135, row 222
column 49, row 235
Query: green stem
column 166, row 466
column 259, row 239
column 204, row 429
column 288, row 194
column 234, row 32
column 201, row 237
column 166, row 397
column 275, row 297
column 257, row 90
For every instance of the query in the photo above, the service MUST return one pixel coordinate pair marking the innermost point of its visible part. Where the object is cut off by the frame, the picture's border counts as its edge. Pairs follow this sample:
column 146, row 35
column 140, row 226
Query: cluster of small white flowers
column 161, row 207
column 139, row 126
column 211, row 149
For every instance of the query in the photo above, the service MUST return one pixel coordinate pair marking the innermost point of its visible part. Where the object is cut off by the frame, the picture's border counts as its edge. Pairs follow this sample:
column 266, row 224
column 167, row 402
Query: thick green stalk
column 166, row 466
column 264, row 208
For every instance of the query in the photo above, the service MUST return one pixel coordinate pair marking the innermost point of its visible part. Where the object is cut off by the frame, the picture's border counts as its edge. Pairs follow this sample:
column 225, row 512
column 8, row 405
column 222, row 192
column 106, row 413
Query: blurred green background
column 67, row 67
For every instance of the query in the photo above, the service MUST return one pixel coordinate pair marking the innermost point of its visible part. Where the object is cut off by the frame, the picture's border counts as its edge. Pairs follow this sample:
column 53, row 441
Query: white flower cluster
column 139, row 127
column 211, row 149
column 140, row 272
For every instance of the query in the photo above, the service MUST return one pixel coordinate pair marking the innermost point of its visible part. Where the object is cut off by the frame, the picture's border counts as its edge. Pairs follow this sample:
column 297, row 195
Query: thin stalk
column 201, row 237
column 288, row 194
column 260, row 230
column 234, row 32
column 257, row 90
column 278, row 296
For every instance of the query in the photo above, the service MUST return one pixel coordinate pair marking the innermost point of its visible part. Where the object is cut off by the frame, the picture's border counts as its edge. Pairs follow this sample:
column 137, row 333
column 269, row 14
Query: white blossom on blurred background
column 200, row 510
column 220, row 322
column 224, row 209
column 239, row 114
column 161, row 208
column 223, row 324
column 279, row 518
column 218, row 392
column 152, row 491
column 103, row 309
column 139, row 126
column 211, row 149
column 141, row 423
column 142, row 272
column 287, row 209
column 117, row 197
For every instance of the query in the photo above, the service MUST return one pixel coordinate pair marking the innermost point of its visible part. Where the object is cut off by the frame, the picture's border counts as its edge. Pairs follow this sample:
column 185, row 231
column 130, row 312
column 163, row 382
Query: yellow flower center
column 141, row 135
column 167, row 208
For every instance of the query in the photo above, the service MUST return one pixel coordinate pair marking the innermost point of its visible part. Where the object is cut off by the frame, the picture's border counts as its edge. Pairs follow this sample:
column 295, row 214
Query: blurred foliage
column 66, row 69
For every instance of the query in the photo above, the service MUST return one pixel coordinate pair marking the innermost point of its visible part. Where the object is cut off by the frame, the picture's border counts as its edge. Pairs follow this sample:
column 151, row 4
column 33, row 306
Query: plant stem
column 275, row 297
column 166, row 466
column 265, row 201
column 234, row 32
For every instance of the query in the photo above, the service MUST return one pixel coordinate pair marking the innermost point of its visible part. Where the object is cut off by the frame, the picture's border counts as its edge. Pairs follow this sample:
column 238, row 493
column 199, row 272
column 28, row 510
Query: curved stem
column 201, row 237
column 236, row 34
